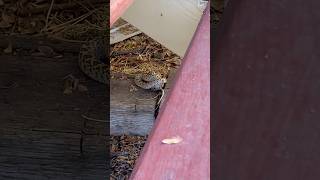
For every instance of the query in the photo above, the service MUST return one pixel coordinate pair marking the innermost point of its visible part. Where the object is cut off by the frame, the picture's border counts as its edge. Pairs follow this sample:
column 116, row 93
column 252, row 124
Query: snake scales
column 93, row 62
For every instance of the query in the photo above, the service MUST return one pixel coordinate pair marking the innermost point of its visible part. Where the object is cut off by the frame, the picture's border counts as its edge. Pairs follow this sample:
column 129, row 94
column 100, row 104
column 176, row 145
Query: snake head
column 160, row 78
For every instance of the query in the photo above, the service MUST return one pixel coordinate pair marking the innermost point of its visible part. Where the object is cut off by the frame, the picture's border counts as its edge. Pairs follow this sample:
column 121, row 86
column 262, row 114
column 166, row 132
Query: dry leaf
column 33, row 23
column 173, row 140
column 75, row 84
column 8, row 50
column 4, row 24
column 82, row 88
column 8, row 18
column 46, row 50
column 56, row 55
column 67, row 91
column 68, row 85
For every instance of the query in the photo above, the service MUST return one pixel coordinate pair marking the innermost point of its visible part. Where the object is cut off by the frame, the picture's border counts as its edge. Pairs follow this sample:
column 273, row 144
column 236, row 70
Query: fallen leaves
column 7, row 19
column 72, row 84
column 46, row 51
column 68, row 19
column 9, row 49
column 4, row 24
column 125, row 151
column 10, row 18
column 172, row 140
column 154, row 57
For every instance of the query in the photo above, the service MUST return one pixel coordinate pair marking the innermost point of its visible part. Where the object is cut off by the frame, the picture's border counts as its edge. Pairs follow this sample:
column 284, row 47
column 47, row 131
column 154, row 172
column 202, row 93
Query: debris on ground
column 64, row 19
column 125, row 151
column 141, row 54
column 72, row 84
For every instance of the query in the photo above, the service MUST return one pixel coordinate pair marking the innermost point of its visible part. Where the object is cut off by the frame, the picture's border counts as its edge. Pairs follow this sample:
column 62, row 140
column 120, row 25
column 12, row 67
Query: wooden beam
column 28, row 154
column 41, row 127
column 40, row 92
column 267, row 91
column 186, row 113
column 131, row 111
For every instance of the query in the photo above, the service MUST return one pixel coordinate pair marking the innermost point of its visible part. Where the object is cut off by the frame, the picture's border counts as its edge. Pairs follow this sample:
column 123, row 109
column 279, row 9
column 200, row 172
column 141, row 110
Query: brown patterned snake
column 92, row 61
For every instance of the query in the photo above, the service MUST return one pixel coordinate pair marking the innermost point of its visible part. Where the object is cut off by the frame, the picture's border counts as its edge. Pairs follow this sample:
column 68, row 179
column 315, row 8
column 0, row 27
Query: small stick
column 78, row 19
column 48, row 14
column 159, row 102
column 92, row 119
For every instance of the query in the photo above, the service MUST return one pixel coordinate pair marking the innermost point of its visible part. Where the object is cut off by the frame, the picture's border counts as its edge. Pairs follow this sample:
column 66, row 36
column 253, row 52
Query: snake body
column 93, row 63
column 149, row 81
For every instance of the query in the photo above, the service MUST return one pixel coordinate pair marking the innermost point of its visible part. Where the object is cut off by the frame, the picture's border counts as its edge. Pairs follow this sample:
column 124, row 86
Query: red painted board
column 117, row 8
column 186, row 113
column 267, row 91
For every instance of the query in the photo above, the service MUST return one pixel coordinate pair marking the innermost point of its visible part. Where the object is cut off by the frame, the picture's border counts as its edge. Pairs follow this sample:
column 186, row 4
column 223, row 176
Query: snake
column 150, row 81
column 93, row 62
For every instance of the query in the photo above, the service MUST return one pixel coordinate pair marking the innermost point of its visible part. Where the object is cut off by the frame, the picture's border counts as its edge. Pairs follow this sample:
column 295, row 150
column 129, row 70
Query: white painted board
column 170, row 22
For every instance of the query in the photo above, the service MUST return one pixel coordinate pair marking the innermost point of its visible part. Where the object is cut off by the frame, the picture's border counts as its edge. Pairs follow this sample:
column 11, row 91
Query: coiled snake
column 93, row 59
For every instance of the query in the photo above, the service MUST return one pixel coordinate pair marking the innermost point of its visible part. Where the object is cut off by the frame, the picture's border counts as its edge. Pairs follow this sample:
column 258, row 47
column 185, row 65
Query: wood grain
column 40, row 83
column 266, row 91
column 131, row 112
column 30, row 155
column 41, row 127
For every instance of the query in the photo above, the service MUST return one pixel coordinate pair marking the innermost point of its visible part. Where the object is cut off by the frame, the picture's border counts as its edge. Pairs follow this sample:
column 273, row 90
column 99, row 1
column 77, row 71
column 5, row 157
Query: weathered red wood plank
column 267, row 91
column 186, row 113
column 117, row 8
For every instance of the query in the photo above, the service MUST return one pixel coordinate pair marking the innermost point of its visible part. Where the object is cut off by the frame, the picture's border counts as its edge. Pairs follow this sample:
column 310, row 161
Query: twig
column 81, row 4
column 27, row 9
column 13, row 27
column 68, row 22
column 66, row 40
column 48, row 14
column 92, row 119
column 77, row 20
column 96, row 26
column 159, row 101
